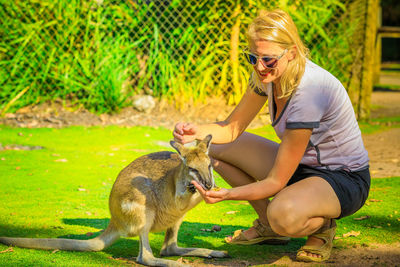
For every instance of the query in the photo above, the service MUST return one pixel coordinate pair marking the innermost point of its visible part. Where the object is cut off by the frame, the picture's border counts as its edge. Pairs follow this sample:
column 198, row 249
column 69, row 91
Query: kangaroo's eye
column 194, row 173
column 193, row 170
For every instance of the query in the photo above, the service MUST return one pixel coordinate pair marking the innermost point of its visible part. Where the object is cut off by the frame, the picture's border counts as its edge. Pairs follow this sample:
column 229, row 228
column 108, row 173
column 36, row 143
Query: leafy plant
column 99, row 53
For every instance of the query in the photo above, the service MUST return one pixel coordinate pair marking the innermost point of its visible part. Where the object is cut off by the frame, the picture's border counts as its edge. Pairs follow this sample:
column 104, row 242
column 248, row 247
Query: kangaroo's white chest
column 167, row 216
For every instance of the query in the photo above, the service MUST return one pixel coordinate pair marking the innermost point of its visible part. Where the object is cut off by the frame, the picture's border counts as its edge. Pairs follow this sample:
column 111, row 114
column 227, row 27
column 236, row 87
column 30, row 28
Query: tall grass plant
column 98, row 54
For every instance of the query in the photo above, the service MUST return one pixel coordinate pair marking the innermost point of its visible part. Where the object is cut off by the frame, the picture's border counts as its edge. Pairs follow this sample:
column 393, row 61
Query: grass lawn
column 62, row 191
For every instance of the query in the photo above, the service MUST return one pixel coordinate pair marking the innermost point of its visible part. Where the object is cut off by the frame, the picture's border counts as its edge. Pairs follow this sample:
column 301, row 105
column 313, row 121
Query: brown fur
column 153, row 193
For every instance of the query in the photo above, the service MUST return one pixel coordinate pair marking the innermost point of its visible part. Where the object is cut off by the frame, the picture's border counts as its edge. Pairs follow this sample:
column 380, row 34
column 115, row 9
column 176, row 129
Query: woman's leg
column 244, row 161
column 302, row 208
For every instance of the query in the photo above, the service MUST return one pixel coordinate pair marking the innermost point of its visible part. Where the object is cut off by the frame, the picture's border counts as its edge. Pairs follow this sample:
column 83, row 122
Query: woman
column 318, row 173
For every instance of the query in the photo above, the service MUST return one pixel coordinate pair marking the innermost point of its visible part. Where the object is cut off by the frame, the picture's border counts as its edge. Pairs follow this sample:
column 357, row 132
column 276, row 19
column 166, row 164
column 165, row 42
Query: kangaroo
column 153, row 193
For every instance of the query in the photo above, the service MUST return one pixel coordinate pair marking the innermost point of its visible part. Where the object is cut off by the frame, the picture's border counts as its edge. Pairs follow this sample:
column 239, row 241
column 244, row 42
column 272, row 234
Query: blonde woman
column 318, row 172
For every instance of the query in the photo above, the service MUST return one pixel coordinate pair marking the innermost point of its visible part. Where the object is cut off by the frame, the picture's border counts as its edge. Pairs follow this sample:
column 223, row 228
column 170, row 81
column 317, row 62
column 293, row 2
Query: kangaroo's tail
column 108, row 237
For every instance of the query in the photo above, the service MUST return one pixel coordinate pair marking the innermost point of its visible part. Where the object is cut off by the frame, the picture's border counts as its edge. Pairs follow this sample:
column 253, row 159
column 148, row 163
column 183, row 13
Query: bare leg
column 298, row 210
column 302, row 208
column 245, row 161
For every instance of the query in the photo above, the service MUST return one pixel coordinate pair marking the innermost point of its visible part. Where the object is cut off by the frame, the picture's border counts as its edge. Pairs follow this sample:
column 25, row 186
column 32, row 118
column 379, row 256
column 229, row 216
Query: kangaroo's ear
column 179, row 148
column 205, row 143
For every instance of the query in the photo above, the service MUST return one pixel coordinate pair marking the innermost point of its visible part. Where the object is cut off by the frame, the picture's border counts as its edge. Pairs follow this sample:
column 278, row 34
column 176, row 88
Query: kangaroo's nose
column 208, row 185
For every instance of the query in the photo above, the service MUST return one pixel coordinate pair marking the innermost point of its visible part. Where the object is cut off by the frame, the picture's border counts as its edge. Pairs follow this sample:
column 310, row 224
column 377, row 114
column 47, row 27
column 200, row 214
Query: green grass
column 41, row 198
column 390, row 66
column 379, row 124
column 387, row 87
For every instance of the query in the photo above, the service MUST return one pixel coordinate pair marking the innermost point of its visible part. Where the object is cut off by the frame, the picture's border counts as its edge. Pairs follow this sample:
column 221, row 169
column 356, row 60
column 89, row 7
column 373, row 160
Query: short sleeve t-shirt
column 322, row 104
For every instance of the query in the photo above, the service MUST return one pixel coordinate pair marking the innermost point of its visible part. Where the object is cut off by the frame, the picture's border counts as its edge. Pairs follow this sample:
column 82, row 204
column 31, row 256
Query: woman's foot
column 259, row 233
column 315, row 242
column 318, row 245
column 249, row 234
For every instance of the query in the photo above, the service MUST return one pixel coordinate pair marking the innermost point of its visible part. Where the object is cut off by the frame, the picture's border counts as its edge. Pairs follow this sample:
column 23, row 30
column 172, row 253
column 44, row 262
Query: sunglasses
column 269, row 62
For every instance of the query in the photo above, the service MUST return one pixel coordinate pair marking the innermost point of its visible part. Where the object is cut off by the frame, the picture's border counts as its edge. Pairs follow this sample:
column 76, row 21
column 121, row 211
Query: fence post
column 367, row 75
column 378, row 49
column 234, row 54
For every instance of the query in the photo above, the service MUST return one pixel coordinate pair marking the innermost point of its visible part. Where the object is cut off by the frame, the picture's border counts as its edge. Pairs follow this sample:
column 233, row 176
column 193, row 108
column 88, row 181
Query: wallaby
column 153, row 193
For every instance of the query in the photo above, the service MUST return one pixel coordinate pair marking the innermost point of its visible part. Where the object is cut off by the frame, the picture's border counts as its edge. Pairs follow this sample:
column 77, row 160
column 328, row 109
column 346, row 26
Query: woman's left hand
column 211, row 196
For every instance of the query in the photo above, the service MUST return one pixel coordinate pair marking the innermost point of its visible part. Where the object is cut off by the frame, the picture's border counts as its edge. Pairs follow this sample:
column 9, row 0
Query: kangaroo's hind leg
column 170, row 246
column 146, row 256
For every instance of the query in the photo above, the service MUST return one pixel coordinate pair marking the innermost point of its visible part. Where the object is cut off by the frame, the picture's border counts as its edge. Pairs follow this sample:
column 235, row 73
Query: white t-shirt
column 322, row 104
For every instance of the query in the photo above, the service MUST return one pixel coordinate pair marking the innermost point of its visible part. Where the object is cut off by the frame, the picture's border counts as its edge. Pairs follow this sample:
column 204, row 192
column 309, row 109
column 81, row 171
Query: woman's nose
column 259, row 66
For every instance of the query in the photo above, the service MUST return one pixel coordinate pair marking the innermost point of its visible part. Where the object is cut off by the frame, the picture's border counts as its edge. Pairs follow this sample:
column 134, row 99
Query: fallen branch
column 10, row 249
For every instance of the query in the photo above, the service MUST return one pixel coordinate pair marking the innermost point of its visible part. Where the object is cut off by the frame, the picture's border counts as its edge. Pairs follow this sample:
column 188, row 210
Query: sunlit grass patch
column 62, row 191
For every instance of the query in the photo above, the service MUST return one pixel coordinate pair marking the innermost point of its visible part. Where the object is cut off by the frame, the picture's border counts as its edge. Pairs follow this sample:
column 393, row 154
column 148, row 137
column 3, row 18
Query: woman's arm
column 225, row 131
column 291, row 150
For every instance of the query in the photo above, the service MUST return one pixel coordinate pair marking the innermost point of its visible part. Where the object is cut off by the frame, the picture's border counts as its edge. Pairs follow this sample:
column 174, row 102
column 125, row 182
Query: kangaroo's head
column 196, row 163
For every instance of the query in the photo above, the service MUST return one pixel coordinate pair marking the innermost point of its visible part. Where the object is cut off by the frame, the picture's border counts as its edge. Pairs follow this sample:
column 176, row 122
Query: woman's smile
column 264, row 74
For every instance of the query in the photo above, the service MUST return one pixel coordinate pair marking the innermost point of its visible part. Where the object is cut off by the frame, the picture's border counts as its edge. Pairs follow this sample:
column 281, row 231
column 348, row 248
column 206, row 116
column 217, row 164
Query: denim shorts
column 351, row 188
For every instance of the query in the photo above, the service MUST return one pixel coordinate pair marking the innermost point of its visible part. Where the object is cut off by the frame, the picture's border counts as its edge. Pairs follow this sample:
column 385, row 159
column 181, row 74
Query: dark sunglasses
column 269, row 62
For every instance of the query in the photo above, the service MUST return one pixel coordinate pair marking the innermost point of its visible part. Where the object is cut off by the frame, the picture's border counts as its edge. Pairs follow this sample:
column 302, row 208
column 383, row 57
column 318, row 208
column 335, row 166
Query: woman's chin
column 266, row 79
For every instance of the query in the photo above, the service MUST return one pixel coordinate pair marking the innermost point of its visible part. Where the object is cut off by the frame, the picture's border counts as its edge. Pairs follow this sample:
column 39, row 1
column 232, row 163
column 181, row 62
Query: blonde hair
column 277, row 26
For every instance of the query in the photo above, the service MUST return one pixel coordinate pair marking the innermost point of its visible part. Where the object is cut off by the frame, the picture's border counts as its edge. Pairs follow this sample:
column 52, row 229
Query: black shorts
column 351, row 188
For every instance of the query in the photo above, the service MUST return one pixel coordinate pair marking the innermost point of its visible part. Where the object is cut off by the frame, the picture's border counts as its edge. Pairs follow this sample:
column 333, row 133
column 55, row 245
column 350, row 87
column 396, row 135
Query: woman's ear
column 292, row 53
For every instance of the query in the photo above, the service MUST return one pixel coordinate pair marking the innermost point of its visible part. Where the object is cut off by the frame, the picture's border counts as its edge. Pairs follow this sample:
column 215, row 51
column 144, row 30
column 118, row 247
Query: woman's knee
column 216, row 150
column 283, row 216
column 215, row 163
column 251, row 154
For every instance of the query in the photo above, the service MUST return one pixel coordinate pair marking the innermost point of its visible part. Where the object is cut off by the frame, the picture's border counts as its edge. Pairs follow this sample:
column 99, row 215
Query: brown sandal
column 266, row 236
column 327, row 234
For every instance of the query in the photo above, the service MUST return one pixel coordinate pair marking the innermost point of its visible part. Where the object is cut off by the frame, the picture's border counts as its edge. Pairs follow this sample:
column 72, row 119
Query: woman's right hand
column 185, row 132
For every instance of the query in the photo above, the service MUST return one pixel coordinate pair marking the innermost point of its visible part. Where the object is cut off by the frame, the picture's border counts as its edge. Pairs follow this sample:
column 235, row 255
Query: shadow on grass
column 383, row 223
column 95, row 223
column 192, row 235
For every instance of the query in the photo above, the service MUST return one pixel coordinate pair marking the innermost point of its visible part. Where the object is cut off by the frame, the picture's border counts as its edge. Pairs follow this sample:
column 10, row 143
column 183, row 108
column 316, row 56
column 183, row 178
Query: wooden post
column 234, row 54
column 367, row 75
column 378, row 50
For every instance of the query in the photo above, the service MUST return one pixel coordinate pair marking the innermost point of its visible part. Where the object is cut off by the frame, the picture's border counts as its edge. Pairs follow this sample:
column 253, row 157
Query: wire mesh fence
column 101, row 53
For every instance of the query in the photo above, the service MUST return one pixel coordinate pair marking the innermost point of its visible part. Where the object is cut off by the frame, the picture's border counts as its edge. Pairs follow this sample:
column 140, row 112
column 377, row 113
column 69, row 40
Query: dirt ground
column 383, row 148
column 375, row 255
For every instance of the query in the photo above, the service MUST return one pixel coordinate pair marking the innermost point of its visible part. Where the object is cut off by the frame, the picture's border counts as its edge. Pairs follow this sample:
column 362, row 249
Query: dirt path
column 390, row 78
column 374, row 255
column 384, row 147
column 385, row 104
column 384, row 152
